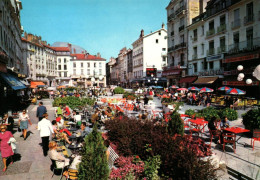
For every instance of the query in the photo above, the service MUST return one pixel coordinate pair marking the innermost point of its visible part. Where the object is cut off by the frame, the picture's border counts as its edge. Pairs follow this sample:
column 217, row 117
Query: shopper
column 23, row 123
column 40, row 111
column 46, row 129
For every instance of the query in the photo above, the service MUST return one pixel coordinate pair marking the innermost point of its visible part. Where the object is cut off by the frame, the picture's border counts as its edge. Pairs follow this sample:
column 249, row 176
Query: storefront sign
column 171, row 72
column 151, row 71
column 214, row 58
column 239, row 83
column 242, row 58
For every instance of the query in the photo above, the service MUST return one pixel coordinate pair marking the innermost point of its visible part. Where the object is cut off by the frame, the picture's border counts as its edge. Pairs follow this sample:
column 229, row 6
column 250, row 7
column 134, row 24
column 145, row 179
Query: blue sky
column 103, row 26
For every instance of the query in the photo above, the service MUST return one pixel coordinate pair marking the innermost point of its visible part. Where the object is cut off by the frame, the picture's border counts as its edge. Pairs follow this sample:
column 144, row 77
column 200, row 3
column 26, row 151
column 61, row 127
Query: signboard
column 171, row 72
column 239, row 83
column 151, row 71
column 241, row 58
column 193, row 8
column 216, row 57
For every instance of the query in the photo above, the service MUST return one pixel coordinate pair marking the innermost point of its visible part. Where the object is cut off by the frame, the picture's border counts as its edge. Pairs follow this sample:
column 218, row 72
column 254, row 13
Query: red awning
column 188, row 79
column 36, row 83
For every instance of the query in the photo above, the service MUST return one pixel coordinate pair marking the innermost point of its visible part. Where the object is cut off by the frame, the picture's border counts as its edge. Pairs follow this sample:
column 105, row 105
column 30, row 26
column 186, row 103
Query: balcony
column 171, row 16
column 210, row 32
column 244, row 46
column 210, row 52
column 222, row 49
column 180, row 46
column 180, row 10
column 181, row 28
column 194, row 56
column 172, row 33
column 235, row 24
column 170, row 49
column 221, row 28
column 249, row 19
column 195, row 39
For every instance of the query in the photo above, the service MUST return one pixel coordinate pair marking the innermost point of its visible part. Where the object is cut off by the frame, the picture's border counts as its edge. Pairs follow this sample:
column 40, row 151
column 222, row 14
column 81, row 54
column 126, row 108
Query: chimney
column 74, row 50
column 69, row 46
column 163, row 25
column 98, row 55
column 25, row 35
column 142, row 33
column 29, row 37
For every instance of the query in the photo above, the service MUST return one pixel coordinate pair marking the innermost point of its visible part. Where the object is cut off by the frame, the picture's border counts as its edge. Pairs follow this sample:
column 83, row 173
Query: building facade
column 149, row 52
column 87, row 70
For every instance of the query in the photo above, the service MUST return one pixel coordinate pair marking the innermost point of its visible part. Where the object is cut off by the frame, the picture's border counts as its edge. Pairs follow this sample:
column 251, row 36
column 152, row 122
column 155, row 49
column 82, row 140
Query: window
column 59, row 60
column 249, row 12
column 182, row 59
column 82, row 71
column 195, row 51
column 236, row 39
column 202, row 49
column 65, row 60
column 82, row 65
column 74, row 64
column 164, row 58
column 159, row 33
column 202, row 30
column 205, row 64
column 249, row 37
column 182, row 39
column 88, row 64
column 211, row 48
column 195, row 34
column 59, row 74
column 182, row 21
column 236, row 18
column 65, row 67
column 100, row 71
column 94, row 64
column 59, row 67
column 163, row 49
column 211, row 65
column 88, row 71
column 74, row 71
column 100, row 65
column 223, row 20
column 65, row 74
column 156, row 41
column 195, row 67
column 222, row 41
column 211, row 25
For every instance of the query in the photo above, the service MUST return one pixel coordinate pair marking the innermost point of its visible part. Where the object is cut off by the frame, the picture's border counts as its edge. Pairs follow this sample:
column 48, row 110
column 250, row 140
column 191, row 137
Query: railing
column 221, row 28
column 181, row 28
column 210, row 52
column 179, row 10
column 170, row 49
column 194, row 56
column 210, row 32
column 249, row 19
column 235, row 24
column 181, row 45
column 198, row 18
column 195, row 39
column 171, row 16
column 222, row 49
column 172, row 33
column 244, row 46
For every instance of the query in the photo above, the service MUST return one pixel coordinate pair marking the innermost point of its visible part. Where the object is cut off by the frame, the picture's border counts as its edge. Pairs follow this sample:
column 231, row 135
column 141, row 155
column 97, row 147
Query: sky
column 104, row 26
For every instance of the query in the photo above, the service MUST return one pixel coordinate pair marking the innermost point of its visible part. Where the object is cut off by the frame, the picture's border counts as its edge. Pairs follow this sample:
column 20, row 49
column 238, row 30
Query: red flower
column 137, row 157
column 150, row 145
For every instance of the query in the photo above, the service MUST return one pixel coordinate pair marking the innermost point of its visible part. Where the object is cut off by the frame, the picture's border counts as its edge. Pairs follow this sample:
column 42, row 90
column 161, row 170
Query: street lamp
column 93, row 84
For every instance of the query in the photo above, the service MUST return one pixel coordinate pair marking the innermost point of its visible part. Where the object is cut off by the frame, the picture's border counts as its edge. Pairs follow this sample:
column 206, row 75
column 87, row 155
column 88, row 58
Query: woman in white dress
column 23, row 123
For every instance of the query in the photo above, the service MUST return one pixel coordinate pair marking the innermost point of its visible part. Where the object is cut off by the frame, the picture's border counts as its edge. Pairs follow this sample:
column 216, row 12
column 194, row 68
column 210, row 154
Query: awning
column 188, row 79
column 25, row 83
column 35, row 84
column 205, row 80
column 13, row 81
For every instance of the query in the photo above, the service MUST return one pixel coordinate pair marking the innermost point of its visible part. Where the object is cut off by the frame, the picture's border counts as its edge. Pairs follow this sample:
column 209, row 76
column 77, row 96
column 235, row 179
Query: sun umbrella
column 158, row 87
column 174, row 87
column 205, row 89
column 193, row 88
column 182, row 89
column 224, row 88
column 236, row 91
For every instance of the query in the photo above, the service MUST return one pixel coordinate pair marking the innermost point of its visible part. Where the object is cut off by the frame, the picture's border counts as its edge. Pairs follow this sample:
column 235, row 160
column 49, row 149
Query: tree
column 94, row 163
column 175, row 125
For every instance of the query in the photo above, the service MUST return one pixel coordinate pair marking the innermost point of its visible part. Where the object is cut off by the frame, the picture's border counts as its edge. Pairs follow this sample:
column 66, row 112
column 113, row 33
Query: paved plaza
column 31, row 164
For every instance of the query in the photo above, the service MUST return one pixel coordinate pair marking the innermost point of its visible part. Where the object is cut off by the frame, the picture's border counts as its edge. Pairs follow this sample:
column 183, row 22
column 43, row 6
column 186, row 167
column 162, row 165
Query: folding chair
column 112, row 157
column 213, row 133
column 54, row 166
column 229, row 138
column 256, row 137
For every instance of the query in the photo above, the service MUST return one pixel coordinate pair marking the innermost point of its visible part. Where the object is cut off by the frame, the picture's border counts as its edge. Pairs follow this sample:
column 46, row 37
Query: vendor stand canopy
column 36, row 84
column 205, row 80
column 174, row 87
column 235, row 91
column 12, row 81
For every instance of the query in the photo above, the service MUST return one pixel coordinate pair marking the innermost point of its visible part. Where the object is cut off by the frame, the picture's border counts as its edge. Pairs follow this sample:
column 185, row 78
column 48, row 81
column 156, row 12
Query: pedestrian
column 5, row 147
column 45, row 128
column 41, row 109
column 146, row 99
column 23, row 123
column 9, row 121
column 59, row 111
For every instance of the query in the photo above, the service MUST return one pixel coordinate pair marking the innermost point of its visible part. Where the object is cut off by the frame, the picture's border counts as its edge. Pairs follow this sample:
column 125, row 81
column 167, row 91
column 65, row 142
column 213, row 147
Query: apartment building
column 149, row 51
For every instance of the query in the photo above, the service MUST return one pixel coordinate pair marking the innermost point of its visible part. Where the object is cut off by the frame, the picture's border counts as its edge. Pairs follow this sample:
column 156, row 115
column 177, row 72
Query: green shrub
column 43, row 94
column 209, row 112
column 190, row 112
column 73, row 102
column 230, row 113
column 175, row 124
column 70, row 89
column 251, row 119
column 119, row 90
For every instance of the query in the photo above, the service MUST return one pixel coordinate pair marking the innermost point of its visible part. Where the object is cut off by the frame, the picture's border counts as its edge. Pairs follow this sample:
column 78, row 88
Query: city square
column 176, row 95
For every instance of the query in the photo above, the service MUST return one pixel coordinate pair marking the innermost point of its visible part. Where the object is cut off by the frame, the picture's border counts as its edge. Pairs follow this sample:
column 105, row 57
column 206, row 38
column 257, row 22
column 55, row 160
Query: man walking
column 46, row 129
column 40, row 111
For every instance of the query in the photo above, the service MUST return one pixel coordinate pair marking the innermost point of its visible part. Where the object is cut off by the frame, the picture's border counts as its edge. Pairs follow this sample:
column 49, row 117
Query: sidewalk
column 31, row 164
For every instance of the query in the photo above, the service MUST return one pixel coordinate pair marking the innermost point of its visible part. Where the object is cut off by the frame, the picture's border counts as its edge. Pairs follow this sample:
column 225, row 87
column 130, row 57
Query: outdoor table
column 74, row 147
column 73, row 129
column 236, row 130
column 199, row 122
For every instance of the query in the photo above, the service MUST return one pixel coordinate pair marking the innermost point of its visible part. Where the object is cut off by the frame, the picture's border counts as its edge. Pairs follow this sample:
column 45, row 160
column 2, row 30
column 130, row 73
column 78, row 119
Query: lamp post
column 93, row 83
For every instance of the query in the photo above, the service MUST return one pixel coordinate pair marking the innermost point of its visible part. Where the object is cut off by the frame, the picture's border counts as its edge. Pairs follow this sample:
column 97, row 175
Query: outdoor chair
column 194, row 128
column 54, row 167
column 256, row 137
column 73, row 174
column 229, row 138
column 213, row 133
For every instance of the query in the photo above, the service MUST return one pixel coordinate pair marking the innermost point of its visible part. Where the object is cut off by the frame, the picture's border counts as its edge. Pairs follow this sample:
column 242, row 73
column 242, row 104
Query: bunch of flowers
column 126, row 165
